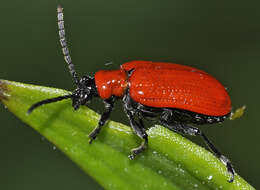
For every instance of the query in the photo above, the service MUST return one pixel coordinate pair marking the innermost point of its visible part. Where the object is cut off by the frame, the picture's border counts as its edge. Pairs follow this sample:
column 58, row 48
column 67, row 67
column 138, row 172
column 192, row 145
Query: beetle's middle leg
column 139, row 130
column 131, row 111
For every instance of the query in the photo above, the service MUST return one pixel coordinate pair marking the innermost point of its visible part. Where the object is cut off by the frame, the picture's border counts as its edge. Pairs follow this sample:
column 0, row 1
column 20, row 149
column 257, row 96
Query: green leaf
column 171, row 161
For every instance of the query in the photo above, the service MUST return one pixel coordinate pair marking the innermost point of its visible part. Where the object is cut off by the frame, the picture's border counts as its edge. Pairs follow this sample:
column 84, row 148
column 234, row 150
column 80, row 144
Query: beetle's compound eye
column 86, row 81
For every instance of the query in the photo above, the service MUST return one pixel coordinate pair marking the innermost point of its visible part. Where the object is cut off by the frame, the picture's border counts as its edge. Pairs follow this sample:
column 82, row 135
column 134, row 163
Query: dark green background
column 222, row 38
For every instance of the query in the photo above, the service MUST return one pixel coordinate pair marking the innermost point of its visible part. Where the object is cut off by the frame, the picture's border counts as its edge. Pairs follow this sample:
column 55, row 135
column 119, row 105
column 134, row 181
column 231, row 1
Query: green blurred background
column 222, row 38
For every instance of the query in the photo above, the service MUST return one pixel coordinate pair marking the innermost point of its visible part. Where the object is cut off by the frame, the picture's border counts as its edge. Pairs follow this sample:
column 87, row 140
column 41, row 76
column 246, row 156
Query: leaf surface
column 171, row 161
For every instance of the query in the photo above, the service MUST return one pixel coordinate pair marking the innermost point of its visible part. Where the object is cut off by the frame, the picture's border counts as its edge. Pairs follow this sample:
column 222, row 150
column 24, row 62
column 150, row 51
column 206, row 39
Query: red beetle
column 173, row 95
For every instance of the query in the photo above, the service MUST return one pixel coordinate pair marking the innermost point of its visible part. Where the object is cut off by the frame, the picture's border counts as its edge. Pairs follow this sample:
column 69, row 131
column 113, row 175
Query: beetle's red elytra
column 169, row 85
column 169, row 94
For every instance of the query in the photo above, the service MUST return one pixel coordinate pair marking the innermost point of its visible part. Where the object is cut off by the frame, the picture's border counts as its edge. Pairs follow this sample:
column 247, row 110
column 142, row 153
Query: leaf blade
column 165, row 165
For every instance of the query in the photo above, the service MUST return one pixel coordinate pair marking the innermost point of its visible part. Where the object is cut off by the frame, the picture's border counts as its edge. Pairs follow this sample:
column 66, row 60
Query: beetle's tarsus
column 232, row 173
column 138, row 150
column 230, row 170
column 93, row 134
column 90, row 140
column 131, row 156
column 229, row 167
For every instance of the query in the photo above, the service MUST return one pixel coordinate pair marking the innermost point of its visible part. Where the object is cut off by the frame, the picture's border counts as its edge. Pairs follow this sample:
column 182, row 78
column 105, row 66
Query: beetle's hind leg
column 190, row 130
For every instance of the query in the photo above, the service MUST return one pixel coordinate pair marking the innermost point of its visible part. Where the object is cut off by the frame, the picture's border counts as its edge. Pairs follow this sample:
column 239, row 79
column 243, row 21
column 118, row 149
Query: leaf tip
column 3, row 90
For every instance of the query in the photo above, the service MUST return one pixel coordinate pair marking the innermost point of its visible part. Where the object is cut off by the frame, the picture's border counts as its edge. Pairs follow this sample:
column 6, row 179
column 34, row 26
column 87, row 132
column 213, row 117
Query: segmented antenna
column 64, row 46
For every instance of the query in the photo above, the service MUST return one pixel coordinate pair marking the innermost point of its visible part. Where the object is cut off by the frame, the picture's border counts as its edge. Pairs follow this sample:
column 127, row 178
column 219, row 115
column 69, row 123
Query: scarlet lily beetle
column 173, row 95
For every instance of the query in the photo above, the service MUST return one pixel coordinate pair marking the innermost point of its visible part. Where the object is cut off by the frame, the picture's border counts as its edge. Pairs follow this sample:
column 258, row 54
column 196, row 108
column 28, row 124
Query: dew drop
column 54, row 147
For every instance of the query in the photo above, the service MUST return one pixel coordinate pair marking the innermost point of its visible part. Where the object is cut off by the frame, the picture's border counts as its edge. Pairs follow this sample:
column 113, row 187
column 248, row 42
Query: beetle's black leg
column 137, row 127
column 139, row 130
column 109, row 104
column 190, row 130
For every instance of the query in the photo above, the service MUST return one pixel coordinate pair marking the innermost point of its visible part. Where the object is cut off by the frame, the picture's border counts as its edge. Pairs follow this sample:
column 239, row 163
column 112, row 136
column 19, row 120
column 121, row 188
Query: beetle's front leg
column 109, row 104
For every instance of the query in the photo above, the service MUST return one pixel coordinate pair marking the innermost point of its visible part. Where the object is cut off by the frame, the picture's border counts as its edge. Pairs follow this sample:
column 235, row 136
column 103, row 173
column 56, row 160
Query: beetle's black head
column 85, row 91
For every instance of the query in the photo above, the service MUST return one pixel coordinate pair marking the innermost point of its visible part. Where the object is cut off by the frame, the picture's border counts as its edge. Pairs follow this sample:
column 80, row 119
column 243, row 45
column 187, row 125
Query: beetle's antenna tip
column 59, row 9
column 63, row 42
